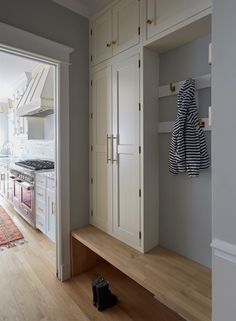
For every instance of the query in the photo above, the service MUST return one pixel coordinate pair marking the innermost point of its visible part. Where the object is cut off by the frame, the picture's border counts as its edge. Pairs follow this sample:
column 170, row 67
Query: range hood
column 38, row 98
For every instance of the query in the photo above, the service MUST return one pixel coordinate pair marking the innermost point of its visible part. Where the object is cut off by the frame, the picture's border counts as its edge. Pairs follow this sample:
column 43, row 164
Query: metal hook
column 172, row 87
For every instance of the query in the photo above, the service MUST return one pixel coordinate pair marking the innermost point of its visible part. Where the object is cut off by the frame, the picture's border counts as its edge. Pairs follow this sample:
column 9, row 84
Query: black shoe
column 105, row 299
column 95, row 282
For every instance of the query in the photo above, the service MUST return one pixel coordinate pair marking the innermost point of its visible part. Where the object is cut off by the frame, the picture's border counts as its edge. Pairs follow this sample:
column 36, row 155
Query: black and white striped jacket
column 188, row 151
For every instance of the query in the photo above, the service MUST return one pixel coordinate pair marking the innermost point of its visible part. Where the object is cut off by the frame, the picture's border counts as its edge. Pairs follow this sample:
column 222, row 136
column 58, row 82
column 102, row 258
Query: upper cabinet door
column 164, row 14
column 101, row 38
column 126, row 22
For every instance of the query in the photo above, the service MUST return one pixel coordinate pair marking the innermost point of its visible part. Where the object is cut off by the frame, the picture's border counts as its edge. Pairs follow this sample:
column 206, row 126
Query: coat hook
column 172, row 87
column 202, row 123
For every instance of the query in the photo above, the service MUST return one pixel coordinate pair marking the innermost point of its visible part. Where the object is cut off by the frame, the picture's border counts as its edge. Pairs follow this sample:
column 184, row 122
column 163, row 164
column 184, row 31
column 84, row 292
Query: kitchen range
column 22, row 186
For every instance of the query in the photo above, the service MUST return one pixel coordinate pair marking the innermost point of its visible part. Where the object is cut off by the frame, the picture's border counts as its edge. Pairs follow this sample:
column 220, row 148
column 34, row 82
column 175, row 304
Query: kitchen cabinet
column 46, row 204
column 115, row 30
column 164, row 14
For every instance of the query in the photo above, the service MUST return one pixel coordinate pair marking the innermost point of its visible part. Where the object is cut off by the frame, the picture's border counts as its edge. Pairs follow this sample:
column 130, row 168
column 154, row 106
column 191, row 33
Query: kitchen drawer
column 40, row 194
column 40, row 180
column 40, row 223
column 51, row 183
column 40, row 207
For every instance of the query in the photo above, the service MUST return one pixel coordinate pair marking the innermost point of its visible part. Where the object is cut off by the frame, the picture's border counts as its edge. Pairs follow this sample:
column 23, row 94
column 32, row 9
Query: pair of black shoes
column 102, row 296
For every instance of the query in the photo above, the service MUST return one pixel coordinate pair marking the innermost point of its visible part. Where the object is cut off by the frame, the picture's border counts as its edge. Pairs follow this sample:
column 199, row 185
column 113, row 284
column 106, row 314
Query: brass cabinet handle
column 108, row 140
column 114, row 42
column 114, row 149
column 149, row 21
column 108, row 45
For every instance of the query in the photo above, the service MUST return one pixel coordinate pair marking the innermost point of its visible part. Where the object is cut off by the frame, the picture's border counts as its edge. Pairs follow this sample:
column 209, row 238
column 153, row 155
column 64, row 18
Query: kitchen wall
column 185, row 203
column 3, row 127
column 47, row 19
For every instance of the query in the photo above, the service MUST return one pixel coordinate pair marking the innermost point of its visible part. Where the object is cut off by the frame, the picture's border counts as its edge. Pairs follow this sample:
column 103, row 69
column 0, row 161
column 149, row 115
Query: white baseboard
column 224, row 250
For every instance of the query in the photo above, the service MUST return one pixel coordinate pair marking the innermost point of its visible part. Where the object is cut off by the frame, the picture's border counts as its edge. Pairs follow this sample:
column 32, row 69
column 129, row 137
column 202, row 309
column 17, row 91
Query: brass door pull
column 108, row 158
column 114, row 149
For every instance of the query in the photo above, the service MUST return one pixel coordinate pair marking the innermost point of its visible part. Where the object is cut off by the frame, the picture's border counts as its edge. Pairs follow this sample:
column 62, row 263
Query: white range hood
column 38, row 98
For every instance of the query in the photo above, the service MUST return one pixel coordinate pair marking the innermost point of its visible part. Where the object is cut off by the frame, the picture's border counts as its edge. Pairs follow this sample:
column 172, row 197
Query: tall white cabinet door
column 163, row 14
column 101, row 38
column 125, row 25
column 101, row 154
column 51, row 215
column 126, row 168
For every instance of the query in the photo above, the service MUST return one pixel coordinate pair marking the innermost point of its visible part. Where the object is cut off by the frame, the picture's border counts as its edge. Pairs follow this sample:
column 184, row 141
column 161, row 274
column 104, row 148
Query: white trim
column 23, row 43
column 224, row 250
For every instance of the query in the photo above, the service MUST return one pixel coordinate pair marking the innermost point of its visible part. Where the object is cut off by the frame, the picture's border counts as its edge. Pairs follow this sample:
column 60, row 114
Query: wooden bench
column 181, row 284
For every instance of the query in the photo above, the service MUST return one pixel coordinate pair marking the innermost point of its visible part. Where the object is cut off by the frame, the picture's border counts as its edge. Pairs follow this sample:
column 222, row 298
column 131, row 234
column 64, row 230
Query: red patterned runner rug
column 9, row 232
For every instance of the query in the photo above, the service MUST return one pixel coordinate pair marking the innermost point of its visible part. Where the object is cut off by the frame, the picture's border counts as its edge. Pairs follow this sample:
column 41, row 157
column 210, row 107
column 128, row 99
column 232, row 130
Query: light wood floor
column 30, row 291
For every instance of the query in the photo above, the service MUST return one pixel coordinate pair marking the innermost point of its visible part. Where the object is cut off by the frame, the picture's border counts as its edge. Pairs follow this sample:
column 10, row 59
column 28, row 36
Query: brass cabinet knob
column 114, row 42
column 149, row 21
column 108, row 45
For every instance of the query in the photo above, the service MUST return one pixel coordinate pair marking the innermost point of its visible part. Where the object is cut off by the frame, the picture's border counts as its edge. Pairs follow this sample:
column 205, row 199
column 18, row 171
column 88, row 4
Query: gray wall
column 47, row 19
column 185, row 203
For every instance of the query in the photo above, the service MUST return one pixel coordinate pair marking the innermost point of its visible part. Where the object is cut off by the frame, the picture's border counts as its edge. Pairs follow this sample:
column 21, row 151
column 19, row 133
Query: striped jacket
column 188, row 151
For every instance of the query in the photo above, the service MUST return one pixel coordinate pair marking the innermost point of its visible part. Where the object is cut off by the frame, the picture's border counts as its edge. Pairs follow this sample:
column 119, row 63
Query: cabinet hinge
column 91, row 32
column 139, row 31
column 140, row 193
column 139, row 149
column 140, row 235
column 91, row 83
column 139, row 63
column 91, row 58
column 91, row 180
column 91, row 148
column 91, row 115
column 91, row 212
column 139, row 106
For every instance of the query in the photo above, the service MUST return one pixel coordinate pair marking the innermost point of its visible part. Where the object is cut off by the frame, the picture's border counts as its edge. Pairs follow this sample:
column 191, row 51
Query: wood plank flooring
column 181, row 284
column 30, row 291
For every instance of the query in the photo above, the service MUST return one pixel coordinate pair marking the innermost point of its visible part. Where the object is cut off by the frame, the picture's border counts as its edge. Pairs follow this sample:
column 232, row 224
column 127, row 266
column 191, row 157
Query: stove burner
column 36, row 164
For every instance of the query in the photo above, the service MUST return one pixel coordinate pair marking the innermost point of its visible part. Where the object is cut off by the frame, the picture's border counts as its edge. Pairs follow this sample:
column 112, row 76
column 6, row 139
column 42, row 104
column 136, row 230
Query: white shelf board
column 201, row 83
column 167, row 126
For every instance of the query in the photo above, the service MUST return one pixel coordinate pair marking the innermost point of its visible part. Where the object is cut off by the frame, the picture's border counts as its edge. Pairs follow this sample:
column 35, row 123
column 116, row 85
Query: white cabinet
column 115, row 148
column 51, row 214
column 164, row 14
column 101, row 137
column 126, row 25
column 101, row 37
column 126, row 163
column 115, row 30
column 45, row 204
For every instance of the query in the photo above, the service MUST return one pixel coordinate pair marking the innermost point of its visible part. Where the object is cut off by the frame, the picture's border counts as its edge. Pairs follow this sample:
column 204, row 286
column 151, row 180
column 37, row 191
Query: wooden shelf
column 181, row 284
column 134, row 302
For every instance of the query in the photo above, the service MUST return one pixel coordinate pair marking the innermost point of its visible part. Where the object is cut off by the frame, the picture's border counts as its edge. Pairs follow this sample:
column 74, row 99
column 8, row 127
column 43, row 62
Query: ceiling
column 12, row 68
column 84, row 7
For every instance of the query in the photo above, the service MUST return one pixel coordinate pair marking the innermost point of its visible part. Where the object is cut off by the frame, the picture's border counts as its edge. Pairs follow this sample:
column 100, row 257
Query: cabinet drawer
column 40, row 223
column 40, row 194
column 51, row 183
column 40, row 180
column 40, row 208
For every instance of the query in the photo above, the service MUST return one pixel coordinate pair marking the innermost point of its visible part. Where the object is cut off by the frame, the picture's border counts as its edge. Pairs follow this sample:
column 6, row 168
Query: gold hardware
column 114, row 139
column 172, row 87
column 201, row 124
column 149, row 21
column 10, row 103
column 46, row 98
column 108, row 45
column 108, row 158
column 114, row 42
